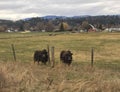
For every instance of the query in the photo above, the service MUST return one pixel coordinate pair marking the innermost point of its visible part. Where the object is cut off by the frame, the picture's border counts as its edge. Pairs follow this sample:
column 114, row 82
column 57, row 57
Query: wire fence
column 92, row 56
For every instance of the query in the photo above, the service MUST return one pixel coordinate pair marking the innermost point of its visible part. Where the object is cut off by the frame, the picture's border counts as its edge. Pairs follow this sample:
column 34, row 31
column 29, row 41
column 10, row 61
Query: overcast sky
column 18, row 9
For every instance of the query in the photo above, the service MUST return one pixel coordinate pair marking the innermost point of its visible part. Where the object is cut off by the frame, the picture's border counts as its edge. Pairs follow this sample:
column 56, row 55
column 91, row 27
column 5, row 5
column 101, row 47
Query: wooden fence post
column 48, row 53
column 13, row 49
column 92, row 57
column 52, row 57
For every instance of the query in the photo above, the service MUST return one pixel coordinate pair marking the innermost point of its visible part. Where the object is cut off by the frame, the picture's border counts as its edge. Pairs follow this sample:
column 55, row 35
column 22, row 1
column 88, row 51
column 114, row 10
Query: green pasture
column 106, row 46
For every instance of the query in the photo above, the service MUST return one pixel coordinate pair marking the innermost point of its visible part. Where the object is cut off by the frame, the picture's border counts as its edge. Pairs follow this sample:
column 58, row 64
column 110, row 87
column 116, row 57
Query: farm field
column 23, row 75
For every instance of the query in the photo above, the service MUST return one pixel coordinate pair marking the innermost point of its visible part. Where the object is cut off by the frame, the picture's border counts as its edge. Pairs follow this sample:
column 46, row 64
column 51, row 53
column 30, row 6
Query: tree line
column 61, row 24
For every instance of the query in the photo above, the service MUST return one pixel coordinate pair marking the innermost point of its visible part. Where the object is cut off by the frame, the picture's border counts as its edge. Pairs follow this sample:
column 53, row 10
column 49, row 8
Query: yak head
column 44, row 54
column 69, row 55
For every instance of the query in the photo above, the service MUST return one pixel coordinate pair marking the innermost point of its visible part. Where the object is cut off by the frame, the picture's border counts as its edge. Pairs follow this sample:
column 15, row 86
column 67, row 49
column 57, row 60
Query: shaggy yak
column 66, row 57
column 41, row 56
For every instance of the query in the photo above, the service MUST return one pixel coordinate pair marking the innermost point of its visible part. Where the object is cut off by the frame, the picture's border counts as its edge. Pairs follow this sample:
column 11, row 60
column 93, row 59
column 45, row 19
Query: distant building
column 8, row 31
column 91, row 28
column 43, row 30
column 112, row 29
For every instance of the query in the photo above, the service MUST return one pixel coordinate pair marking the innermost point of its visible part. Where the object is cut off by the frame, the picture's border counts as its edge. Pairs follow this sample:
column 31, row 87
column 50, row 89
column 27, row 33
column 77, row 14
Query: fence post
column 13, row 49
column 92, row 57
column 52, row 57
column 48, row 53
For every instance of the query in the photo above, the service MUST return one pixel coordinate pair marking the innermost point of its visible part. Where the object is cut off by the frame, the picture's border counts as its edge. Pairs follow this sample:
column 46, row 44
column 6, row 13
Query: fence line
column 93, row 56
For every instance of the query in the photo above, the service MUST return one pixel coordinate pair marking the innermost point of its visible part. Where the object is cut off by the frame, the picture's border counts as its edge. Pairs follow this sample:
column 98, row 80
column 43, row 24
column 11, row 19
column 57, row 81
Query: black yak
column 66, row 57
column 41, row 56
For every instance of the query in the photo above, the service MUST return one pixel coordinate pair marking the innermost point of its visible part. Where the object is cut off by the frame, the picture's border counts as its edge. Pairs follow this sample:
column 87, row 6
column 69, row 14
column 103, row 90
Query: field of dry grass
column 25, row 76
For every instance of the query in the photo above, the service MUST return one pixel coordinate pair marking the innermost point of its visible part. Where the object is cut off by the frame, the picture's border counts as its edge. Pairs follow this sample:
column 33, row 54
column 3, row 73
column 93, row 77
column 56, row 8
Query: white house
column 112, row 29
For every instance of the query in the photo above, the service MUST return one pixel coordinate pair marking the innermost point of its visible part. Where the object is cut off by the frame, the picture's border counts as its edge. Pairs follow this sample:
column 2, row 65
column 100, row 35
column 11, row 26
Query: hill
column 50, row 23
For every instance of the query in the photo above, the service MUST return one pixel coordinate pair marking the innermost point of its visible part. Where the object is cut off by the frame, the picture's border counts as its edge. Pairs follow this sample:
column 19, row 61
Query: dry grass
column 29, row 77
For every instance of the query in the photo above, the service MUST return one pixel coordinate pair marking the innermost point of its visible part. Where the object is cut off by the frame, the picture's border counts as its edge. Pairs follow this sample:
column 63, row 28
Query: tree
column 21, row 28
column 26, row 26
column 49, row 26
column 40, row 26
column 64, row 26
column 100, row 27
column 19, row 24
column 85, row 25
column 3, row 28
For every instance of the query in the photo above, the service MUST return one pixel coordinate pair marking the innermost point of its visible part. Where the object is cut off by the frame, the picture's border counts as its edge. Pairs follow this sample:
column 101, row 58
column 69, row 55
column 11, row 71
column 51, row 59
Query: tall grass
column 29, row 77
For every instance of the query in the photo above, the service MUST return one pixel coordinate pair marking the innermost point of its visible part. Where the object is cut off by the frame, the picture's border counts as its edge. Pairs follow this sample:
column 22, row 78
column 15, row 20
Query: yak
column 41, row 56
column 66, row 57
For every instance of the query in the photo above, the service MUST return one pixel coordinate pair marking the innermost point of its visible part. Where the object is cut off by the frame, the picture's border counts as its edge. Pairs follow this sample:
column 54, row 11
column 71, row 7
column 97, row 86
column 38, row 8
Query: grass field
column 24, row 76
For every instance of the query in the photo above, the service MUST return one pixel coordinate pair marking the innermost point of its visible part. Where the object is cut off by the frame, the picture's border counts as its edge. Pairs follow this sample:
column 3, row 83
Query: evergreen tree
column 21, row 28
column 62, row 27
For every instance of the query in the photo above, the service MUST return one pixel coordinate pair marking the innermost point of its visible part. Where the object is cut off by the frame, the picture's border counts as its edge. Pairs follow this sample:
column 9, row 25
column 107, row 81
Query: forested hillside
column 53, row 23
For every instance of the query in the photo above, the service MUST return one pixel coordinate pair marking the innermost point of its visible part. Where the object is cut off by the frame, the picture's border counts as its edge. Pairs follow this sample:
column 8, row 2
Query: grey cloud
column 74, row 1
column 59, row 7
column 10, row 7
column 59, row 10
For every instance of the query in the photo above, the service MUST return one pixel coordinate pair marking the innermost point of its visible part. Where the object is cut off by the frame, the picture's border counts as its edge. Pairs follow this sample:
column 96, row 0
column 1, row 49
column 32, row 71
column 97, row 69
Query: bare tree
column 3, row 28
column 49, row 26
column 85, row 25
column 26, row 26
column 40, row 26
